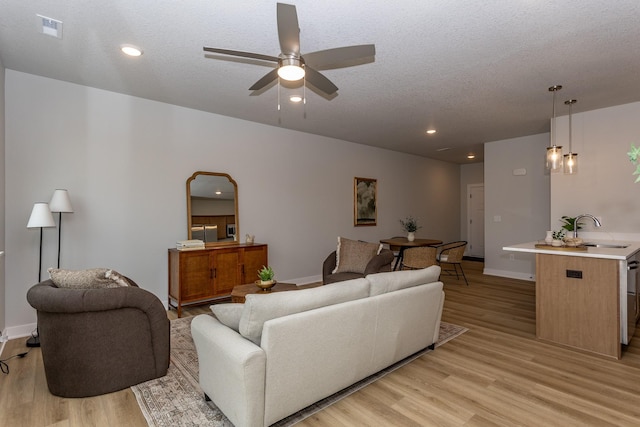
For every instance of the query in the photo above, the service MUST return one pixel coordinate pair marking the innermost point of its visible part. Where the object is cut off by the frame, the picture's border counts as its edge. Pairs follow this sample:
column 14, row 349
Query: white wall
column 125, row 162
column 604, row 185
column 516, row 207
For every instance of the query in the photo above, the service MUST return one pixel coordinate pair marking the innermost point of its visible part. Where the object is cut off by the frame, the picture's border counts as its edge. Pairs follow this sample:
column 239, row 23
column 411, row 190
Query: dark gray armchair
column 96, row 341
column 379, row 263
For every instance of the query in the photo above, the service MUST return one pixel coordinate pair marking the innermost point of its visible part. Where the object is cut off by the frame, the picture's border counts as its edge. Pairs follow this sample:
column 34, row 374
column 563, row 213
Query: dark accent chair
column 378, row 264
column 97, row 341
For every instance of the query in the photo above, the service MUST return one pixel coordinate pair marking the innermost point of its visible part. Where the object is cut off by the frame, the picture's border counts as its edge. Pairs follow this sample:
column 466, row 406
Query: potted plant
column 557, row 237
column 634, row 157
column 410, row 225
column 266, row 275
column 569, row 223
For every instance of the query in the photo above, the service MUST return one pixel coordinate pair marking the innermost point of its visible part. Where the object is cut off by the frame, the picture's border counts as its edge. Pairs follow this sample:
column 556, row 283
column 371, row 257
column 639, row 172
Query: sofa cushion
column 228, row 314
column 382, row 283
column 352, row 256
column 92, row 278
column 259, row 308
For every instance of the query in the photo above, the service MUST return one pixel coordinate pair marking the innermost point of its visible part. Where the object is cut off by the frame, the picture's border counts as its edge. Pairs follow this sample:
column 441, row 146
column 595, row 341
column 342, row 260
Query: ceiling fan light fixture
column 295, row 98
column 291, row 69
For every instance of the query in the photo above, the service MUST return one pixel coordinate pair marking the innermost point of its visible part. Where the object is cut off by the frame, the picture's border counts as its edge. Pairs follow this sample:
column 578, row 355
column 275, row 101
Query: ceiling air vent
column 49, row 26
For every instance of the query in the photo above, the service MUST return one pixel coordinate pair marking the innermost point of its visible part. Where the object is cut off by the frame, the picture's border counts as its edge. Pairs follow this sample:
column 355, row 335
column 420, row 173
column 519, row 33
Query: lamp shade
column 60, row 202
column 41, row 216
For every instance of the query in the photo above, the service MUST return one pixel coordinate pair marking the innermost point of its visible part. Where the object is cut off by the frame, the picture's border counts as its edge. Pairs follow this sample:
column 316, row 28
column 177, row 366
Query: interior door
column 475, row 218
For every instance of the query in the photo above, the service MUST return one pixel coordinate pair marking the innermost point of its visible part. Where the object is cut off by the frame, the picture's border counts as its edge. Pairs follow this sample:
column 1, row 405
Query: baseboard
column 509, row 274
column 20, row 331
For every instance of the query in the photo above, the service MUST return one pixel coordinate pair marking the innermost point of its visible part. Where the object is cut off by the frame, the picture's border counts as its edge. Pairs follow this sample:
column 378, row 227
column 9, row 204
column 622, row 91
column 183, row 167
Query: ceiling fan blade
column 268, row 78
column 241, row 54
column 337, row 56
column 319, row 81
column 288, row 30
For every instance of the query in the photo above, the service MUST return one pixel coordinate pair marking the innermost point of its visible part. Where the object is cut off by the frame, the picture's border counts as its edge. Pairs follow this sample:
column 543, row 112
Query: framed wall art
column 364, row 201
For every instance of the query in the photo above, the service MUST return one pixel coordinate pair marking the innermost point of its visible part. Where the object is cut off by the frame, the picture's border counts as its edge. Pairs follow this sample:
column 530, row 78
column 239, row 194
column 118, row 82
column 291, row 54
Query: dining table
column 402, row 243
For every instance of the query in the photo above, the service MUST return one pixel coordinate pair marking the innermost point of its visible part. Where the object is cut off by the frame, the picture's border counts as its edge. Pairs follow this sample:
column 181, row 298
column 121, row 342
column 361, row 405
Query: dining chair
column 450, row 258
column 396, row 251
column 419, row 257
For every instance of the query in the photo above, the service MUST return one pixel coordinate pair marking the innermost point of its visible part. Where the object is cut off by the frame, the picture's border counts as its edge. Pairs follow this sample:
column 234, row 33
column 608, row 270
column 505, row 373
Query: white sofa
column 291, row 349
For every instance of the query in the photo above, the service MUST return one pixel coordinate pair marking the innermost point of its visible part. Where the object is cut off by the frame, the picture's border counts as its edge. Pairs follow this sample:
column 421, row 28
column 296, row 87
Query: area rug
column 177, row 400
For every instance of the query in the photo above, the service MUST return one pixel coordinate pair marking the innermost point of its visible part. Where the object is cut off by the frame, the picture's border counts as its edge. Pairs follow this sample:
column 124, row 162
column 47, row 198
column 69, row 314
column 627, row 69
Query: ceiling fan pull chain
column 278, row 93
column 304, row 96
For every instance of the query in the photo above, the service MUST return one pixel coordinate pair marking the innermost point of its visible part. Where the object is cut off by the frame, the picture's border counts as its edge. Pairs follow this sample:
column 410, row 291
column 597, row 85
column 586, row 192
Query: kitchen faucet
column 596, row 221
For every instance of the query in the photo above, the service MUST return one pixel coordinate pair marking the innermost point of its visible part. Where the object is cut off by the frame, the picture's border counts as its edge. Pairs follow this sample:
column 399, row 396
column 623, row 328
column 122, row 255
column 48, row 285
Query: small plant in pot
column 557, row 237
column 266, row 275
column 410, row 225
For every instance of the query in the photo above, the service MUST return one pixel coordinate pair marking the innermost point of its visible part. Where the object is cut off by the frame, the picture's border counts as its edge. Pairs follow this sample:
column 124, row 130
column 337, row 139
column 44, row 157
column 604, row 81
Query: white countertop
column 591, row 252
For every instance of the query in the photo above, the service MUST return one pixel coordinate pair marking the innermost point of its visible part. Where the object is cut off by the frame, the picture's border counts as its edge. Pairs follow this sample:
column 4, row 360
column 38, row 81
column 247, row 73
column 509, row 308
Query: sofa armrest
column 379, row 263
column 232, row 371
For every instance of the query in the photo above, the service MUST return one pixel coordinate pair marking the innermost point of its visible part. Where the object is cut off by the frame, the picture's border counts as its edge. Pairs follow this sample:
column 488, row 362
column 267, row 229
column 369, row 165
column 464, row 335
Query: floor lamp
column 41, row 217
column 60, row 202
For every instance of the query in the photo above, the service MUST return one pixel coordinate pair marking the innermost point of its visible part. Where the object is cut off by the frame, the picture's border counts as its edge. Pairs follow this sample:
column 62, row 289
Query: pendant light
column 571, row 159
column 554, row 152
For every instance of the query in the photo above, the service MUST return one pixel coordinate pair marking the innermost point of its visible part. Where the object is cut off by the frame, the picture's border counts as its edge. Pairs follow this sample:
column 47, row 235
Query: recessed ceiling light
column 471, row 156
column 295, row 98
column 130, row 50
column 431, row 131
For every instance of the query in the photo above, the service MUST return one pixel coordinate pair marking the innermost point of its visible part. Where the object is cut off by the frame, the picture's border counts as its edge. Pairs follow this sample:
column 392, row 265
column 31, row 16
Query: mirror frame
column 235, row 186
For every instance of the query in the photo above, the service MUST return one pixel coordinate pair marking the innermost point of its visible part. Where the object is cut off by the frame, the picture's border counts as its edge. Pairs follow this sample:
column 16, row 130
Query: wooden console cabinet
column 199, row 276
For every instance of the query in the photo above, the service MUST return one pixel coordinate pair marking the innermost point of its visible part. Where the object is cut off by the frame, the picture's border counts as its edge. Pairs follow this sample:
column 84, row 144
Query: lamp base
column 34, row 341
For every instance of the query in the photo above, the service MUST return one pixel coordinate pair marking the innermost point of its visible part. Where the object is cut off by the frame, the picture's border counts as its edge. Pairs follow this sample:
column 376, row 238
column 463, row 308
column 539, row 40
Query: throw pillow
column 92, row 278
column 228, row 314
column 117, row 277
column 352, row 256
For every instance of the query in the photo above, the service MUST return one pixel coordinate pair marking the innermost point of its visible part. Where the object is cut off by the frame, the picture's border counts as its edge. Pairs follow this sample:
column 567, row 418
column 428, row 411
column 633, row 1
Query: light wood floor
column 497, row 374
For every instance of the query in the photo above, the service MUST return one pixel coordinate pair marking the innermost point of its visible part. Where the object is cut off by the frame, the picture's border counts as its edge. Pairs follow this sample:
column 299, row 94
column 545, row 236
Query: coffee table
column 239, row 292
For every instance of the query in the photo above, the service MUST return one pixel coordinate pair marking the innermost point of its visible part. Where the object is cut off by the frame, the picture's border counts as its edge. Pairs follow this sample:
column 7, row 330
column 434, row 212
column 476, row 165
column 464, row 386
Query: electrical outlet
column 511, row 257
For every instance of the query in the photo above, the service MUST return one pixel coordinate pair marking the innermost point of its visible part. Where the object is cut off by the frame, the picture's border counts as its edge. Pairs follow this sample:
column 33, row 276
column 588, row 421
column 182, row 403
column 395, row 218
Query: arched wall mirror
column 212, row 208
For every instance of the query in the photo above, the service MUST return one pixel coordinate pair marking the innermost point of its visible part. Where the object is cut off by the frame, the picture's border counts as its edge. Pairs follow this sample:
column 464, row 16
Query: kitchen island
column 585, row 298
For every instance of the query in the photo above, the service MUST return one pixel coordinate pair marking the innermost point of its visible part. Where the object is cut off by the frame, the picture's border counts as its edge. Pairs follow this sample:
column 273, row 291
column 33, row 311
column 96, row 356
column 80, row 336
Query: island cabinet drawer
column 578, row 302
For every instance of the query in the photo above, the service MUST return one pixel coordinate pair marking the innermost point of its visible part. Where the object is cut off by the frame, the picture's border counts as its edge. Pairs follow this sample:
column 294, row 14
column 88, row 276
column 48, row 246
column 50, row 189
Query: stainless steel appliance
column 629, row 308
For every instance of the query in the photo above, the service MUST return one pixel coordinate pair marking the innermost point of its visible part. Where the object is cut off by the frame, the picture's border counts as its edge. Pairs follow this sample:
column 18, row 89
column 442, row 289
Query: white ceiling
column 476, row 70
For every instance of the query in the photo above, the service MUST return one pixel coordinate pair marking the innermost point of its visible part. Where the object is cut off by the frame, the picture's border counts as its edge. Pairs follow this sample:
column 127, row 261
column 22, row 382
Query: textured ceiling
column 476, row 71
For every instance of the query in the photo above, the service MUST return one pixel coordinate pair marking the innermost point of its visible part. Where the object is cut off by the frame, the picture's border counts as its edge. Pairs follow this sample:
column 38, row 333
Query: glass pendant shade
column 571, row 163
column 554, row 152
column 571, row 159
column 554, row 158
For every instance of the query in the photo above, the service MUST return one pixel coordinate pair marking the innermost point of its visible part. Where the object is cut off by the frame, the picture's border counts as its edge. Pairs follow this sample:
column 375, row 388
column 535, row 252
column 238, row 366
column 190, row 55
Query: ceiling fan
column 292, row 65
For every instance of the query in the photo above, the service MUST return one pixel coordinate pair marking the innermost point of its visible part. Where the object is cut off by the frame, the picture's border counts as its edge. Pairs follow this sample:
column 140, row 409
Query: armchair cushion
column 353, row 256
